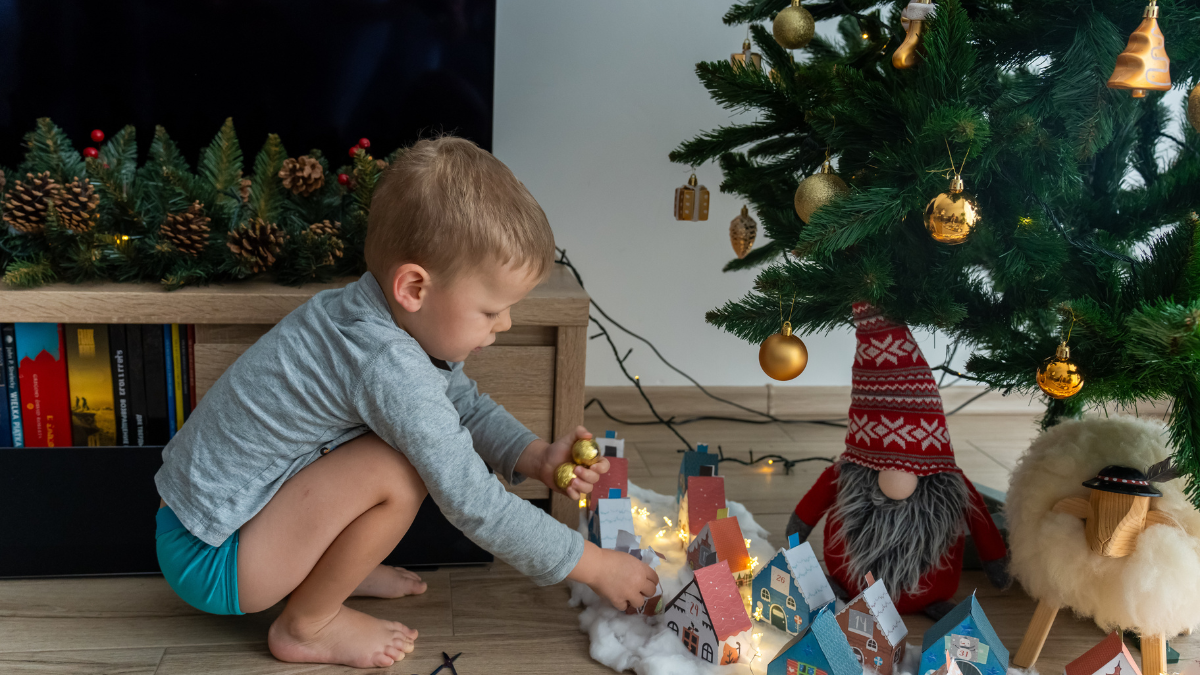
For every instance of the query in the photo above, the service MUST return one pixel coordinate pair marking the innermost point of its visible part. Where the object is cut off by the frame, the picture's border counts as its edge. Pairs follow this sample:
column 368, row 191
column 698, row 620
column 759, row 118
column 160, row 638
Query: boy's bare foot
column 349, row 637
column 386, row 581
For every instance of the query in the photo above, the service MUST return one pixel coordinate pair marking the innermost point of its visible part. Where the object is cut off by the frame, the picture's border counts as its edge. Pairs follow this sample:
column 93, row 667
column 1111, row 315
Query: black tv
column 320, row 73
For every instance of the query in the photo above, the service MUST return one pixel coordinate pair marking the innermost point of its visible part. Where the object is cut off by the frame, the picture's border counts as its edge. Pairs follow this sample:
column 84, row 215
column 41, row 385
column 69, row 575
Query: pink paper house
column 703, row 501
column 616, row 478
column 709, row 617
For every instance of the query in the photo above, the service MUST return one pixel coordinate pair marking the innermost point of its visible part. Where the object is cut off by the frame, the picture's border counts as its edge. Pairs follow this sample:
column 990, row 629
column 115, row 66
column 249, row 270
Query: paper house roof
column 722, row 600
column 690, row 466
column 886, row 617
column 705, row 496
column 1104, row 659
column 809, row 576
column 967, row 608
column 830, row 639
column 612, row 516
column 727, row 541
column 617, row 477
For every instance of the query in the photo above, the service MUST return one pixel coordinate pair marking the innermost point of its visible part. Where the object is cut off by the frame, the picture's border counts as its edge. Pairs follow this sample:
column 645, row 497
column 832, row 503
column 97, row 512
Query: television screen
column 320, row 73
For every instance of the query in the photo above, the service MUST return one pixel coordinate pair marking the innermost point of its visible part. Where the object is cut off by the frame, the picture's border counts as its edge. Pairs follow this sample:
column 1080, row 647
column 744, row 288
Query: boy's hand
column 558, row 452
column 617, row 577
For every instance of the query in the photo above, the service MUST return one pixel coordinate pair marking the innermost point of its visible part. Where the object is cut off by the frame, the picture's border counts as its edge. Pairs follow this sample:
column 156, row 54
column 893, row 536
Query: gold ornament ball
column 585, row 452
column 1193, row 108
column 563, row 475
column 952, row 215
column 818, row 190
column 1060, row 377
column 793, row 27
column 783, row 356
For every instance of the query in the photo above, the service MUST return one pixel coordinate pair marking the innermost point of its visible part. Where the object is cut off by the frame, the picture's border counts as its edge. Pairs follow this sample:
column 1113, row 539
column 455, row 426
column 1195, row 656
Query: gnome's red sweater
column 939, row 583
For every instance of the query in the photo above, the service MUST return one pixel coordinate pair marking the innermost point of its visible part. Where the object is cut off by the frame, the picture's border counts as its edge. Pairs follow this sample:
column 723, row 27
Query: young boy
column 306, row 462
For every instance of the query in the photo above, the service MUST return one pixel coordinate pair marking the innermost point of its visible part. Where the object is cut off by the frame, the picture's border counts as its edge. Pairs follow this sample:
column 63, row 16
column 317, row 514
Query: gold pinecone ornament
column 257, row 243
column 742, row 231
column 76, row 205
column 330, row 229
column 302, row 175
column 187, row 231
column 27, row 201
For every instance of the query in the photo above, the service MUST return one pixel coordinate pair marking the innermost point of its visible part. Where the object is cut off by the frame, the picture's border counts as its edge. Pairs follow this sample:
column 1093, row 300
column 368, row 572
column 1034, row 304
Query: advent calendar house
column 1109, row 657
column 709, row 617
column 972, row 642
column 821, row 649
column 696, row 462
column 611, row 516
column 617, row 479
column 611, row 446
column 703, row 501
column 873, row 628
column 721, row 540
column 790, row 589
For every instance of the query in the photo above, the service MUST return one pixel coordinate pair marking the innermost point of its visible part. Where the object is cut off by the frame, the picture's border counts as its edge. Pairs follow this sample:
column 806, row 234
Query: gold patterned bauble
column 585, row 452
column 818, row 190
column 1193, row 108
column 740, row 58
column 793, row 27
column 783, row 356
column 1144, row 64
column 952, row 215
column 1060, row 377
column 908, row 54
column 742, row 231
column 563, row 475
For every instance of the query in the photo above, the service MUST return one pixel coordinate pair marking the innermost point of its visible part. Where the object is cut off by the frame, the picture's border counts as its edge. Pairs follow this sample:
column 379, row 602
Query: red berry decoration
column 97, row 136
column 353, row 150
column 364, row 143
column 91, row 152
column 343, row 179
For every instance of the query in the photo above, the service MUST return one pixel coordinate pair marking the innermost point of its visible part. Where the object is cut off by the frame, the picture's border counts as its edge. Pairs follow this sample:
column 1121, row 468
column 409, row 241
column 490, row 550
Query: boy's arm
column 499, row 438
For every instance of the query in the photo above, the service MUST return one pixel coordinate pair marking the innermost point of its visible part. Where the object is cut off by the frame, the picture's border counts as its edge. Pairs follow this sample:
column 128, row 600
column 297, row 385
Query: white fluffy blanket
column 1156, row 590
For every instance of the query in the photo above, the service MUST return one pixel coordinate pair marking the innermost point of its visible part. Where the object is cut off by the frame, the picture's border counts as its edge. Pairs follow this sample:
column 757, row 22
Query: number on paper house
column 873, row 628
column 820, row 649
column 789, row 590
column 970, row 639
column 709, row 617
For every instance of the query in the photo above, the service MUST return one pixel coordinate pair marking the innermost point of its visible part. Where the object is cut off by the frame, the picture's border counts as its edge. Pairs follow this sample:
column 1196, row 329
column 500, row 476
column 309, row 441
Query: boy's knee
column 392, row 472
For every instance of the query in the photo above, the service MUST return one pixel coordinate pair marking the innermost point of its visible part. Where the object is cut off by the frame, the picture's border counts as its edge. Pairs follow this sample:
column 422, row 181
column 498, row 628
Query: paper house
column 721, row 539
column 820, row 649
column 972, row 642
column 629, row 543
column 709, row 617
column 611, row 446
column 790, row 589
column 1109, row 657
column 696, row 462
column 703, row 501
column 617, row 478
column 874, row 629
column 611, row 516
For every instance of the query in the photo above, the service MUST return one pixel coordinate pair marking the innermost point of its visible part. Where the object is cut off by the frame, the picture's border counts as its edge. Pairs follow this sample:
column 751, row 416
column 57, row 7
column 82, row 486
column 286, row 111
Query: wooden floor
column 500, row 621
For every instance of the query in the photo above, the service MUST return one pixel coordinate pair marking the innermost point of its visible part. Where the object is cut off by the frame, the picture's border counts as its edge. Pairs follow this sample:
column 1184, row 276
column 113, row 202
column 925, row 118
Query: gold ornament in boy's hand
column 563, row 475
column 585, row 452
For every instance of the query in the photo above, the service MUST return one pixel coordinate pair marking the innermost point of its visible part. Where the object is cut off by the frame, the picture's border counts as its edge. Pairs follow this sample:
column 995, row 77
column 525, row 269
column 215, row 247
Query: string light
column 669, row 523
column 661, row 534
column 583, row 502
column 644, row 513
column 747, row 543
column 753, row 562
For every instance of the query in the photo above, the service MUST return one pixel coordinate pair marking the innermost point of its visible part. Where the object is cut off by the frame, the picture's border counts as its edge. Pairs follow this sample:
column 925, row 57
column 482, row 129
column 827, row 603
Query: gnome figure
column 898, row 506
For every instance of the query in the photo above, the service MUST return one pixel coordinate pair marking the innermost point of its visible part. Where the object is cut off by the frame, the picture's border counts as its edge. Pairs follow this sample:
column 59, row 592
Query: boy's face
column 454, row 319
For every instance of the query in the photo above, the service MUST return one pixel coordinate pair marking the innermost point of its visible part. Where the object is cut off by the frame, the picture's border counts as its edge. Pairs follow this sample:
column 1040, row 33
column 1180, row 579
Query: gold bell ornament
column 818, row 190
column 746, row 58
column 742, row 231
column 691, row 201
column 952, row 215
column 908, row 54
column 793, row 27
column 1060, row 377
column 783, row 356
column 1144, row 64
column 1193, row 108
column 585, row 452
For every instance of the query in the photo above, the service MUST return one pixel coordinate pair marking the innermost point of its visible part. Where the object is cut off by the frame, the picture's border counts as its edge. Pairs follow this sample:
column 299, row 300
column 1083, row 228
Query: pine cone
column 302, row 175
column 244, row 190
column 3, row 180
column 76, row 205
column 329, row 229
column 25, row 207
column 187, row 231
column 257, row 242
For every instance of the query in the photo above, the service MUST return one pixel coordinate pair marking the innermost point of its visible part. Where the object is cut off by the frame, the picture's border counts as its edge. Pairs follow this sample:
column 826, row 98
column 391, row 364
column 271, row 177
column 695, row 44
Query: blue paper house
column 696, row 462
column 790, row 589
column 821, row 649
column 610, row 517
column 968, row 635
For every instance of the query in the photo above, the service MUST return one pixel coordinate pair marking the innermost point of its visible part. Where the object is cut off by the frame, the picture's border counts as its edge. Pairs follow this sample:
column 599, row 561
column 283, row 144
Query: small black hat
column 1122, row 480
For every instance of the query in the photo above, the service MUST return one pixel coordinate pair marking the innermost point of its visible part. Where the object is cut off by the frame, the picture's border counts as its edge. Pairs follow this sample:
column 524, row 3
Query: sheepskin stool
column 1152, row 587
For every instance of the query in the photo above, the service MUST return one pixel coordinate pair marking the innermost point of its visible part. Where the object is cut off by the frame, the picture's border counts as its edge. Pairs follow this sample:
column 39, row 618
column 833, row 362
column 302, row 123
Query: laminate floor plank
column 82, row 662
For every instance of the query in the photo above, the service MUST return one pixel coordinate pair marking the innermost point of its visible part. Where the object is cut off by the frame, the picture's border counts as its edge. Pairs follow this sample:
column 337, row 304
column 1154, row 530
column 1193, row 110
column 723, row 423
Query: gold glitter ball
column 563, row 475
column 585, row 452
column 793, row 27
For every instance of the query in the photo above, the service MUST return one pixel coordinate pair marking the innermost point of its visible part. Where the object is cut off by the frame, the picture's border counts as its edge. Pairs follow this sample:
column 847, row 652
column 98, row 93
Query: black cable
column 771, row 459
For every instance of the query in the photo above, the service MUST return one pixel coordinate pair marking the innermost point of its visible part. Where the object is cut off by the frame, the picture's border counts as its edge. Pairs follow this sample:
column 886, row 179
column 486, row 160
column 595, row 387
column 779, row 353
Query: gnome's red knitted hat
column 896, row 419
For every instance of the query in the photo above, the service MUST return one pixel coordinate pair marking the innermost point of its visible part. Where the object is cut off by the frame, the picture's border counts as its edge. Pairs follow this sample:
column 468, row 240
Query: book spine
column 12, row 405
column 6, row 438
column 185, row 395
column 177, row 376
column 168, row 364
column 137, row 384
column 191, row 342
column 158, row 430
column 42, row 371
column 120, row 378
column 89, row 373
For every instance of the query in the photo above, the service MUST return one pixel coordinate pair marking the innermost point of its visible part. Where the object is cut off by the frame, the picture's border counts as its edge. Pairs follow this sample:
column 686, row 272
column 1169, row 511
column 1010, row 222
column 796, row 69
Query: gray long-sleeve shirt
column 337, row 367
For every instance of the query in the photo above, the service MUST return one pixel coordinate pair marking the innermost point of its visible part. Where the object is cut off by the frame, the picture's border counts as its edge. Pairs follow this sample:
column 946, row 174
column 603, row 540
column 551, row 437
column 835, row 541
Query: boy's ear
column 410, row 284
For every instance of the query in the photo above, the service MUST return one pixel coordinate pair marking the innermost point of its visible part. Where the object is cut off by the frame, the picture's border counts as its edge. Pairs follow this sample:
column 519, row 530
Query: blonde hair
column 448, row 206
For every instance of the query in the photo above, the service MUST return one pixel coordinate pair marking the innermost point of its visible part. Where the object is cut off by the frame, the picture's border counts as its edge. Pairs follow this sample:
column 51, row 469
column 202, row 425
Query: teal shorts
column 204, row 576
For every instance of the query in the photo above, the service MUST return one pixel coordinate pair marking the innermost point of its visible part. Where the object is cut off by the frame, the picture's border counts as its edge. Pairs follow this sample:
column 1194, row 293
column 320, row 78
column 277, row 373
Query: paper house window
column 706, row 470
column 857, row 654
column 862, row 623
column 706, row 652
column 790, row 602
column 896, row 655
column 872, row 644
column 765, row 594
column 691, row 639
column 673, row 626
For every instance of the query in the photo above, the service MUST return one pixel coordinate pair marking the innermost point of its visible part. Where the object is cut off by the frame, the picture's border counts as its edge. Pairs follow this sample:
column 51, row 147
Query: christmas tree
column 1087, row 231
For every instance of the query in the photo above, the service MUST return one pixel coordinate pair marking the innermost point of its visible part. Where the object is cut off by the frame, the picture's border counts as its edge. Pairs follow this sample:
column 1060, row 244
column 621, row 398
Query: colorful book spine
column 12, row 405
column 191, row 344
column 185, row 398
column 42, row 371
column 120, row 379
column 6, row 439
column 137, row 385
column 89, row 374
column 154, row 366
column 169, row 361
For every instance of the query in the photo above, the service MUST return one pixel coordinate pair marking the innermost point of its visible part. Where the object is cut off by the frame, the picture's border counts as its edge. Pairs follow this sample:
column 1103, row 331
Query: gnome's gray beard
column 898, row 541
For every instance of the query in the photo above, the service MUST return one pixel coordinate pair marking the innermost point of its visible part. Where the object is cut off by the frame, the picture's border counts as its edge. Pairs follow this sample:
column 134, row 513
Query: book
column 137, row 385
column 6, row 440
column 42, row 372
column 158, row 430
column 169, row 365
column 191, row 345
column 12, row 404
column 120, row 379
column 185, row 398
column 89, row 377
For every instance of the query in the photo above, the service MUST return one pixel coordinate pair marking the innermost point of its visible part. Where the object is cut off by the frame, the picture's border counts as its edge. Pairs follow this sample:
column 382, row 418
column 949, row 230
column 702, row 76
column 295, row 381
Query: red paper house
column 721, row 539
column 703, row 501
column 616, row 478
column 1110, row 657
column 709, row 617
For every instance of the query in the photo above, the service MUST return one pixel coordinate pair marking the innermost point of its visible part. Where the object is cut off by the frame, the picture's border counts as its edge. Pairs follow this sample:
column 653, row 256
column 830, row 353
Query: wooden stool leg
column 1035, row 635
column 1154, row 654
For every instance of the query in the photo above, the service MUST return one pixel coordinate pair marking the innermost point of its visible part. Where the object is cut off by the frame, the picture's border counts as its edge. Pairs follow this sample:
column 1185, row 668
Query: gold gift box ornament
column 691, row 201
column 1144, row 64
